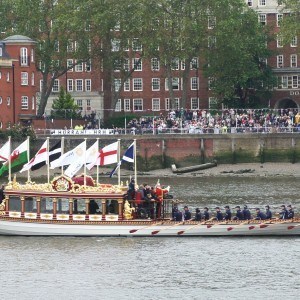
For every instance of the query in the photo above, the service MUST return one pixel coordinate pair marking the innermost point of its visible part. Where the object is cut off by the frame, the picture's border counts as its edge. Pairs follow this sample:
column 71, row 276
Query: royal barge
column 63, row 208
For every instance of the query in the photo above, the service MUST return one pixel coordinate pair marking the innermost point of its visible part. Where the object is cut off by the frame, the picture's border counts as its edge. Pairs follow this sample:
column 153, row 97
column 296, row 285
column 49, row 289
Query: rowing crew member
column 206, row 214
column 291, row 213
column 219, row 215
column 260, row 215
column 227, row 215
column 268, row 212
column 239, row 214
column 246, row 213
column 283, row 214
column 197, row 215
column 187, row 214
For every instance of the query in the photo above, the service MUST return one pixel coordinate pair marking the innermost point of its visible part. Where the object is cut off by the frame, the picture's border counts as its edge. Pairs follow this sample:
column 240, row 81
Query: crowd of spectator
column 212, row 121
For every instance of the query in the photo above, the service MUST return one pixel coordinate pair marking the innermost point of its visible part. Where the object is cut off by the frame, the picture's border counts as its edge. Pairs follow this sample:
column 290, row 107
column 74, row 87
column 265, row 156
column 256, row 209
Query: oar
column 194, row 226
column 135, row 230
column 157, row 231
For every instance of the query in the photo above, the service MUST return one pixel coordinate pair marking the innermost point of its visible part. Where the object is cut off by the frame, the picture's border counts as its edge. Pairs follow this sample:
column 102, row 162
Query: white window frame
column 262, row 2
column 23, row 56
column 284, row 82
column 55, row 87
column 79, row 67
column 126, row 104
column 293, row 60
column 194, row 83
column 167, row 104
column 279, row 42
column 78, row 84
column 24, row 78
column 262, row 19
column 250, row 3
column 279, row 18
column 155, row 84
column 127, row 85
column 32, row 102
column 136, row 45
column 140, row 101
column 32, row 55
column 118, row 106
column 137, row 84
column 117, row 84
column 70, row 86
column 294, row 41
column 88, row 85
column 175, row 63
column 137, row 64
column 32, row 79
column 24, row 102
column 8, row 101
column 155, row 104
column 211, row 102
column 155, row 64
column 295, row 81
column 280, row 61
column 69, row 64
column 79, row 103
column 194, row 103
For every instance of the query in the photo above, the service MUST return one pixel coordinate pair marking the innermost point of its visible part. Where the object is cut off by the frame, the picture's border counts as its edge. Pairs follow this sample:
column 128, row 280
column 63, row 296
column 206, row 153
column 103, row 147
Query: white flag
column 5, row 152
column 106, row 156
column 73, row 169
column 40, row 156
column 92, row 153
column 77, row 154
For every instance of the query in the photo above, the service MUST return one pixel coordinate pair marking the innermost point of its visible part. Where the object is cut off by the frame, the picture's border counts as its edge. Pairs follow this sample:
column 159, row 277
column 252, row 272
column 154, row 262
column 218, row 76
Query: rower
column 246, row 213
column 260, row 215
column 219, row 215
column 283, row 214
column 187, row 214
column 197, row 215
column 227, row 215
column 239, row 214
column 290, row 211
column 206, row 214
column 268, row 212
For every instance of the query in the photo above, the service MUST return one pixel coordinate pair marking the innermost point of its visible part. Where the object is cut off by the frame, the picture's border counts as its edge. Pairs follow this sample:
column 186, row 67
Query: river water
column 163, row 268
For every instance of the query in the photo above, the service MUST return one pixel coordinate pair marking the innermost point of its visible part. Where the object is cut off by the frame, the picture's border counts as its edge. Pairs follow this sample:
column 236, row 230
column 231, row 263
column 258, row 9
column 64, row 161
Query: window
column 70, row 65
column 8, row 101
column 250, row 2
column 79, row 103
column 88, row 85
column 279, row 18
column 88, row 104
column 176, row 103
column 70, row 46
column 194, row 83
column 79, row 85
column 155, row 84
column 262, row 2
column 32, row 55
column 79, row 67
column 32, row 103
column 24, row 78
column 284, row 82
column 175, row 84
column 294, row 42
column 294, row 61
column 7, row 76
column 32, row 79
column 175, row 64
column 137, row 64
column 117, row 84
column 167, row 104
column 137, row 84
column 279, row 42
column 118, row 106
column 55, row 87
column 212, row 102
column 24, row 102
column 154, row 64
column 194, row 103
column 23, row 57
column 211, row 22
column 279, row 61
column 88, row 66
column 155, row 104
column 70, row 85
column 210, row 83
column 263, row 19
column 56, row 46
column 115, row 45
column 183, row 65
column 126, row 64
column 126, row 104
column 212, row 40
column 194, row 63
column 137, row 104
column 127, row 85
column 295, row 82
column 136, row 45
column 0, row 100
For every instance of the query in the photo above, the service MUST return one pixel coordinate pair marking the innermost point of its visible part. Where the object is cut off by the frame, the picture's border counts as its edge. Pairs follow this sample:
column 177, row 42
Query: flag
column 128, row 156
column 77, row 154
column 91, row 155
column 106, row 156
column 54, row 153
column 4, row 152
column 40, row 156
column 17, row 158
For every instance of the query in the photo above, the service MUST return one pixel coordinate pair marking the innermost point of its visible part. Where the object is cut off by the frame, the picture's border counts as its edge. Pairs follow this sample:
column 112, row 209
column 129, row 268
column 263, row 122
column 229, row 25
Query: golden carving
column 127, row 212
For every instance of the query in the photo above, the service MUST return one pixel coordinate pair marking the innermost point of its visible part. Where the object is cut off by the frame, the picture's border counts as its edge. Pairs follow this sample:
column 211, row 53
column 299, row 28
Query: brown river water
column 164, row 268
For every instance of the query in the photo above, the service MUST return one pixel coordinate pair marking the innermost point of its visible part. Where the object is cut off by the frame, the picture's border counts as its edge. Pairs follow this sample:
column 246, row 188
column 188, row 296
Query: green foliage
column 18, row 133
column 118, row 121
column 64, row 107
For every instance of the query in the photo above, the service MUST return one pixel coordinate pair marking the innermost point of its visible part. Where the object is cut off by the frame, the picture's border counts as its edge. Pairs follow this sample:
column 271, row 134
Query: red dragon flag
column 38, row 158
column 17, row 158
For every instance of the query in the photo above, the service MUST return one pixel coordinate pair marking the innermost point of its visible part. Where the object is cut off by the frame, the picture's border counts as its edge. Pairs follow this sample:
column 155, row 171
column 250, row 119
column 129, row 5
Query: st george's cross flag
column 5, row 151
column 128, row 156
column 106, row 156
column 40, row 156
column 77, row 154
column 17, row 158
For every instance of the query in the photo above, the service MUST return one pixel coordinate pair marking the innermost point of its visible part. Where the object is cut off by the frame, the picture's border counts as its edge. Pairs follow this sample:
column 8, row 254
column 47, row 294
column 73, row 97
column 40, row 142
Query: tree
column 60, row 33
column 236, row 58
column 64, row 107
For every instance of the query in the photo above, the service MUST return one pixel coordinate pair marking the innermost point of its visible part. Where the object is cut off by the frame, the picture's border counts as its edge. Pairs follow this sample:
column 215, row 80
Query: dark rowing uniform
column 268, row 214
column 227, row 214
column 206, row 215
column 219, row 216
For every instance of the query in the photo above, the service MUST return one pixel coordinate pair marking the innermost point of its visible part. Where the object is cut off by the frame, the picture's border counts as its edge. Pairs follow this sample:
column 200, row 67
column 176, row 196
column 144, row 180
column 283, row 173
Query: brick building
column 17, row 81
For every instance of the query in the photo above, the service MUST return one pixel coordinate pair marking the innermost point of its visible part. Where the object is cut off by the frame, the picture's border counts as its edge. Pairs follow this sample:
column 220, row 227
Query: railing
column 157, row 131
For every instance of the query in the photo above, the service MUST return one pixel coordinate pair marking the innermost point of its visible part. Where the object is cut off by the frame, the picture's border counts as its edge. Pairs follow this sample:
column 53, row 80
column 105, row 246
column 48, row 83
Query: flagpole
column 9, row 161
column 62, row 152
column 135, row 170
column 97, row 165
column 84, row 166
column 47, row 161
column 28, row 158
column 119, row 169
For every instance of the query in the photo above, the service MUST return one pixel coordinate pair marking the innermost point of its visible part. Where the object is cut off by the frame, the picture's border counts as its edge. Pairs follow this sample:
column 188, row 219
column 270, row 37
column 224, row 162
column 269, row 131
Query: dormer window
column 23, row 57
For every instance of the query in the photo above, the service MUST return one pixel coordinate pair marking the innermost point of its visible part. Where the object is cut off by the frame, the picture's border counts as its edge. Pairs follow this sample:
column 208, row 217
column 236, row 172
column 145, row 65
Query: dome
column 20, row 39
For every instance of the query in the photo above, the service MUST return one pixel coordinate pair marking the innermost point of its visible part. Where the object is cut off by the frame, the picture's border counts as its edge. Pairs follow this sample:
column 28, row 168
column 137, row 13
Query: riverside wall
column 160, row 151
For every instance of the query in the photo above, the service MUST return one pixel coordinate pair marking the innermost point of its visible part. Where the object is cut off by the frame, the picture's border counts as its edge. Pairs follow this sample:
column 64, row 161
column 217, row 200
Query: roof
column 20, row 39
